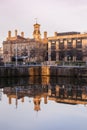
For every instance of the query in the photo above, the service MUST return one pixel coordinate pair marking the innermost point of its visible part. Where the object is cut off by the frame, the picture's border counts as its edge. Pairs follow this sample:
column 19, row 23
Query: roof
column 67, row 33
column 20, row 37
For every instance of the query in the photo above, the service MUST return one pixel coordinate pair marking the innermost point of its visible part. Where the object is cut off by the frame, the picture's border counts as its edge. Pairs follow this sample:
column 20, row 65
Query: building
column 67, row 46
column 66, row 93
column 19, row 48
column 1, row 55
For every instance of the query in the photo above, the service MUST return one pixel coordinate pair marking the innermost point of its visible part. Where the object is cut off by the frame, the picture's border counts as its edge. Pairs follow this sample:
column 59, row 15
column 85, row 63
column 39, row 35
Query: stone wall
column 42, row 71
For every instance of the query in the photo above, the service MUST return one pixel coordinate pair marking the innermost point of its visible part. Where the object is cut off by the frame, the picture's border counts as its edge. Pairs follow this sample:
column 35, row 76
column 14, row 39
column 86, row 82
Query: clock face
column 36, row 29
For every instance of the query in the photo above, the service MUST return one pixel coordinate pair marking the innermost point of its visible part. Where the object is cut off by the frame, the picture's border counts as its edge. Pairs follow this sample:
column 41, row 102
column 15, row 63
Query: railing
column 59, row 63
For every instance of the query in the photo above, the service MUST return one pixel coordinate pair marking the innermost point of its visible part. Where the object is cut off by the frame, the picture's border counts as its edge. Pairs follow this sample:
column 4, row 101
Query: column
column 57, row 51
column 84, row 49
column 74, row 50
column 49, row 51
column 65, row 46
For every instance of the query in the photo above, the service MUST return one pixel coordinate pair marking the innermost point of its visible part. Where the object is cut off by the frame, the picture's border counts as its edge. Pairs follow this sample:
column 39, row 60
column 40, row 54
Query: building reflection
column 61, row 90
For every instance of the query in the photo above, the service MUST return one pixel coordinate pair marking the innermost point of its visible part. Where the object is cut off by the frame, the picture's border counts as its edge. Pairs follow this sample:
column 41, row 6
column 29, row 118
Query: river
column 43, row 103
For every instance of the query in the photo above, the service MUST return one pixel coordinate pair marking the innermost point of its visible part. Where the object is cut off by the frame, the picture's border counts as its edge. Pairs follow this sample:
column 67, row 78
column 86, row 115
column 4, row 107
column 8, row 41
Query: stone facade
column 70, row 46
column 19, row 48
column 1, row 54
column 67, row 46
column 24, row 49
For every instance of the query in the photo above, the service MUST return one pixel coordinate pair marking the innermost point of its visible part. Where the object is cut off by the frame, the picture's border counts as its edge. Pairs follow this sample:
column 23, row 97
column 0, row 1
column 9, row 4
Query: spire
column 37, row 101
column 36, row 20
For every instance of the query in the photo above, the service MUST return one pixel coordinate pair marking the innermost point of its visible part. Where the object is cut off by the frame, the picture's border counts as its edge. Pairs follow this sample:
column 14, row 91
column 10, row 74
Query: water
column 43, row 103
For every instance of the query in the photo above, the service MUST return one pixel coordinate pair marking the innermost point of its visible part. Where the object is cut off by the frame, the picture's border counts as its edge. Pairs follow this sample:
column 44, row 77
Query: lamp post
column 16, row 55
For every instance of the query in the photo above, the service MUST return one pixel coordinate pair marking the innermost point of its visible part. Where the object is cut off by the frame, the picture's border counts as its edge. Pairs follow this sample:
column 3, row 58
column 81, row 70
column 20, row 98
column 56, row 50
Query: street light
column 16, row 55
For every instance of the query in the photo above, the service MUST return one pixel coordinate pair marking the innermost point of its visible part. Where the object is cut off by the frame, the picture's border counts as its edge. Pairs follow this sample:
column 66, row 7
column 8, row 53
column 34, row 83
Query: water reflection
column 60, row 90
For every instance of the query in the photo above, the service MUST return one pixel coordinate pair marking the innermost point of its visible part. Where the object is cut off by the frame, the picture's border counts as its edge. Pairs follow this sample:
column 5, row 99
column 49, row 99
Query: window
column 79, row 55
column 53, row 55
column 69, row 55
column 78, row 44
column 53, row 46
column 61, row 55
column 61, row 45
column 69, row 45
column 46, row 57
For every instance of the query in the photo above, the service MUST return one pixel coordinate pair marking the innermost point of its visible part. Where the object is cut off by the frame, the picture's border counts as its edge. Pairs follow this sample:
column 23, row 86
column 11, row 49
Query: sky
column 52, row 15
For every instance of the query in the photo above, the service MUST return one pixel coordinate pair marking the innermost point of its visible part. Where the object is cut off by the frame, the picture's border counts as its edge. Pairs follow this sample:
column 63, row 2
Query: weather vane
column 36, row 20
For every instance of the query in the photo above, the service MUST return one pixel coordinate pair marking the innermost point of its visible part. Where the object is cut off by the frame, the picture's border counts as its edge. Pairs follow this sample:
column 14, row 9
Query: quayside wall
column 21, row 71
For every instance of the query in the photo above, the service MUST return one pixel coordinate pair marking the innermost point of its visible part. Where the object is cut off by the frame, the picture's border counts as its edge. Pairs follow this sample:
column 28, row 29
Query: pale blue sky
column 53, row 15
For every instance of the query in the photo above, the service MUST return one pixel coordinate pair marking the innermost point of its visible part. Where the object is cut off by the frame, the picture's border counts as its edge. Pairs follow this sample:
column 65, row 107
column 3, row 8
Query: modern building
column 67, row 46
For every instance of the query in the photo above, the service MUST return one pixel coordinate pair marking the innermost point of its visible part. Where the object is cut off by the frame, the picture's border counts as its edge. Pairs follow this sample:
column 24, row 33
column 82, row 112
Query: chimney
column 45, row 35
column 55, row 34
column 9, row 34
column 22, row 34
column 15, row 33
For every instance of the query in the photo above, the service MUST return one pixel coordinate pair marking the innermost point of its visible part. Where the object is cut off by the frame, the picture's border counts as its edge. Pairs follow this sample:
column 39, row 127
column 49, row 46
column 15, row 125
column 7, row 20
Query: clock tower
column 36, row 32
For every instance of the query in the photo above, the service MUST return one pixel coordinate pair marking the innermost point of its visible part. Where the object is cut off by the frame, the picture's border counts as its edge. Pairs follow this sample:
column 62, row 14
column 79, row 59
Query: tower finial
column 36, row 20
